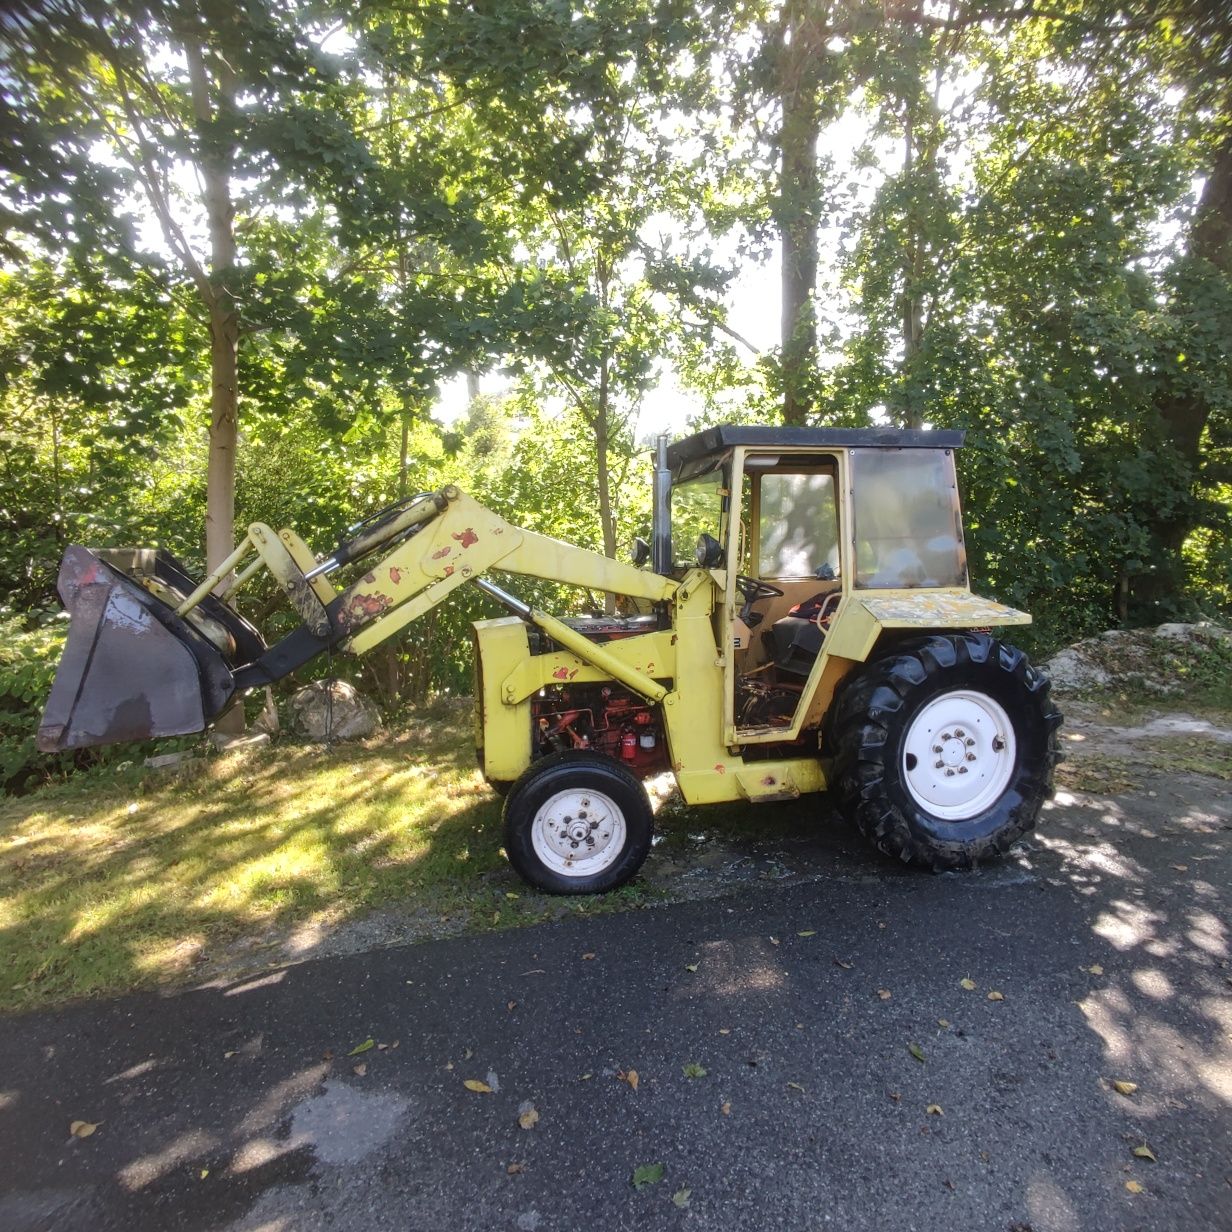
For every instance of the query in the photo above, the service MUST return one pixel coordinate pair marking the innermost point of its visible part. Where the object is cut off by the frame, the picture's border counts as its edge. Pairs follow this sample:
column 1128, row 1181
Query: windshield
column 698, row 506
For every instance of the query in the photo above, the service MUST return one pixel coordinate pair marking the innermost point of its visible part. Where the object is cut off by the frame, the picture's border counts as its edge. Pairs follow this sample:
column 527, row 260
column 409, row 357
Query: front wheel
column 577, row 823
column 945, row 749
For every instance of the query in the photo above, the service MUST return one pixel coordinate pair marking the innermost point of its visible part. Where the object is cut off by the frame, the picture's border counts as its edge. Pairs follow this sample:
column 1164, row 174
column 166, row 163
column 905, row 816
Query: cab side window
column 797, row 524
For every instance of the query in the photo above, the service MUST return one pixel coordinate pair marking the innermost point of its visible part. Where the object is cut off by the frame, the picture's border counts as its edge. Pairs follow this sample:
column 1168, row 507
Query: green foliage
column 28, row 658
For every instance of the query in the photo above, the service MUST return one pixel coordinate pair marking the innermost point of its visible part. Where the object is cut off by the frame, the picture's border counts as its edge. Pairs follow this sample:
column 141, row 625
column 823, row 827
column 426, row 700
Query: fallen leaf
column 691, row 1069
column 1133, row 1186
column 774, row 941
column 1145, row 1152
column 896, row 1096
column 394, row 1045
column 529, row 1119
column 514, row 1169
column 996, row 996
column 968, row 984
column 808, row 932
column 846, row 966
column 585, row 1077
column 466, row 1056
column 690, row 966
column 725, row 1030
column 884, row 994
column 203, row 1174
column 934, row 1110
column 368, row 1043
column 1181, row 868
column 795, row 1086
column 1095, row 969
column 587, row 957
column 725, row 1109
column 681, row 1197
column 359, row 1070
column 1124, row 1088
column 629, row 1076
column 476, row 1084
column 511, row 894
column 943, row 1023
column 647, row 1174
column 512, row 1005
column 226, row 1056
column 916, row 1051
column 83, row 1129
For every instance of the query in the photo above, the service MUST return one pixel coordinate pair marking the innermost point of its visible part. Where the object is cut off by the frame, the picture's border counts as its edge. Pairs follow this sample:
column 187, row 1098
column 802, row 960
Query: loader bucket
column 131, row 668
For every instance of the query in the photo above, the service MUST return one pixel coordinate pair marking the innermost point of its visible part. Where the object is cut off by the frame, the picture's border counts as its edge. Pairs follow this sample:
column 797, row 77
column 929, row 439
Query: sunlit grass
column 117, row 880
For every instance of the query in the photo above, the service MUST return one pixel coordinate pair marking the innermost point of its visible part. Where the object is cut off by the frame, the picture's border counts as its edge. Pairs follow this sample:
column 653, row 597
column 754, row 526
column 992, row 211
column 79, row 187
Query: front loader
column 822, row 637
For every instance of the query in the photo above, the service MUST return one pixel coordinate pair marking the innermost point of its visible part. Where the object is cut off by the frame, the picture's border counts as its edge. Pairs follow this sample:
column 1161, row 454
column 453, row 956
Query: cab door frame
column 732, row 601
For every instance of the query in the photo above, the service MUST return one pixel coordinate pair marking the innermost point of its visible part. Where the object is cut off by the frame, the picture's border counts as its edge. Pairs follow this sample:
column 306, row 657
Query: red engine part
column 607, row 719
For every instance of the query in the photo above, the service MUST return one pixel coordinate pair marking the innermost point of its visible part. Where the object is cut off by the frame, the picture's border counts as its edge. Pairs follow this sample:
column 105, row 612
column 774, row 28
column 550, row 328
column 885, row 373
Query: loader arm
column 151, row 654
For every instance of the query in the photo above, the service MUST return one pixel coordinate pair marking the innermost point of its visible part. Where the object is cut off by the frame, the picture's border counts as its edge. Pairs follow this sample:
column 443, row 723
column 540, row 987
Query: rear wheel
column 577, row 823
column 945, row 749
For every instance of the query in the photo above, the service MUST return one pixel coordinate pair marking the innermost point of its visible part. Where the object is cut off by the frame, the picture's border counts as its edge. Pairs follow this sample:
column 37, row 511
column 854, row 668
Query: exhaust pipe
column 661, row 512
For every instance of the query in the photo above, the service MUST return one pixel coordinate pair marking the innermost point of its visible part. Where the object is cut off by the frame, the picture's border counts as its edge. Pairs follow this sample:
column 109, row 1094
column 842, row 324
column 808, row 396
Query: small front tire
column 577, row 823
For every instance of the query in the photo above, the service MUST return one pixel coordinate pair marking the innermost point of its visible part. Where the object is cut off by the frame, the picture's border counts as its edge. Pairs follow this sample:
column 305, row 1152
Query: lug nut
column 949, row 774
column 940, row 763
column 970, row 742
column 971, row 757
column 945, row 735
column 962, row 769
column 936, row 748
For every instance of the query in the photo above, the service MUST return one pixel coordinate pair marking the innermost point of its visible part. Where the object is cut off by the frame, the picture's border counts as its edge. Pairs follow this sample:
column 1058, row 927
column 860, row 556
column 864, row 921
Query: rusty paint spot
column 498, row 530
column 768, row 781
column 467, row 537
column 650, row 665
column 440, row 552
column 369, row 578
column 720, row 768
column 395, row 575
column 449, row 570
column 673, row 642
column 574, row 673
column 561, row 673
column 363, row 608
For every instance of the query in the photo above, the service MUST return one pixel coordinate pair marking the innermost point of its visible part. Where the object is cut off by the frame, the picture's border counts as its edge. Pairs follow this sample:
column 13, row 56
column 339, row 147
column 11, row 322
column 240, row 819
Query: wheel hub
column 578, row 833
column 959, row 754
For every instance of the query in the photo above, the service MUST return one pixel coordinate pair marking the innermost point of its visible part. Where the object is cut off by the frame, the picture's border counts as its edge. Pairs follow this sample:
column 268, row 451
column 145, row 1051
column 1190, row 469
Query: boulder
column 333, row 710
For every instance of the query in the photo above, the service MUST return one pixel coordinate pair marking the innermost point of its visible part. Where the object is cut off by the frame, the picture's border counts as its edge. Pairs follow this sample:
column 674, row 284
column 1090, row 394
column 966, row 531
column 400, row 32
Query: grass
column 118, row 880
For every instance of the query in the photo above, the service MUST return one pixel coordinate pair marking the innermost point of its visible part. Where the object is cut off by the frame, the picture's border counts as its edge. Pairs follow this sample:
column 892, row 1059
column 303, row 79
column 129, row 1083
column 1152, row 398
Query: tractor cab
column 792, row 523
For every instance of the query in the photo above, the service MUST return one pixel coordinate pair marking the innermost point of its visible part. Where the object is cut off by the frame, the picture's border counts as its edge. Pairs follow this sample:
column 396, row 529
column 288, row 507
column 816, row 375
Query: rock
column 169, row 761
column 1070, row 669
column 1203, row 631
column 333, row 710
column 225, row 742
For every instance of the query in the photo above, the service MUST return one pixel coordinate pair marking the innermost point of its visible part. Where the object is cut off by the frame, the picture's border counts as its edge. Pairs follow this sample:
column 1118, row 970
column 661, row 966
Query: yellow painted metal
column 951, row 608
column 539, row 556
column 600, row 656
column 766, row 781
column 242, row 550
column 652, row 654
column 503, row 730
column 301, row 553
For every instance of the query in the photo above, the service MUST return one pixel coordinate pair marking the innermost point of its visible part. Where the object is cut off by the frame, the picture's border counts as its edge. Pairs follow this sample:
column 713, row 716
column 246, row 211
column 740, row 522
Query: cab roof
column 691, row 450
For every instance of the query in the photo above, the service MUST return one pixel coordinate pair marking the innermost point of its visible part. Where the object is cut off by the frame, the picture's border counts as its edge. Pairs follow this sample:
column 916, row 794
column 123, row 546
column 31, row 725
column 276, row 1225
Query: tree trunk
column 213, row 102
column 1184, row 413
column 797, row 213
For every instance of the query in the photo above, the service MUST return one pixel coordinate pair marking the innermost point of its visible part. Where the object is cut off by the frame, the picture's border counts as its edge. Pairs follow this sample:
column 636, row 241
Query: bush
column 28, row 658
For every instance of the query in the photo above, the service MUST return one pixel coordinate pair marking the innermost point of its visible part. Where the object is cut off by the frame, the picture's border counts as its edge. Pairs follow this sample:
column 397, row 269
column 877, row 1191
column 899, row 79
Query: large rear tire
column 945, row 749
column 577, row 823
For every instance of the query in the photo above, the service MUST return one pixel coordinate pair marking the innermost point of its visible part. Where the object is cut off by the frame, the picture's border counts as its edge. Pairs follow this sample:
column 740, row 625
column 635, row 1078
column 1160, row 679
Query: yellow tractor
column 823, row 636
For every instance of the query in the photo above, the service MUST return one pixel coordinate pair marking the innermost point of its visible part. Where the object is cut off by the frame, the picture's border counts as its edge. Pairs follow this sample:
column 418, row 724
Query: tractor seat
column 797, row 642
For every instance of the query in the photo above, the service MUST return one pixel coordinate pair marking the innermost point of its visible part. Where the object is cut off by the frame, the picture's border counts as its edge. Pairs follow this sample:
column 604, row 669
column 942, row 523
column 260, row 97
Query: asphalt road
column 237, row 1107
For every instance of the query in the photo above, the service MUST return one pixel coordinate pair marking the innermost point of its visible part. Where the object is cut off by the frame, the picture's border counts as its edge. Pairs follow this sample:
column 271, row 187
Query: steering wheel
column 752, row 589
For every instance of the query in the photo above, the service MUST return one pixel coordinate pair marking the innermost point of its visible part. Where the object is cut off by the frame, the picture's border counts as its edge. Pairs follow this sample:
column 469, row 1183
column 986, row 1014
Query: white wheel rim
column 959, row 755
column 578, row 833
